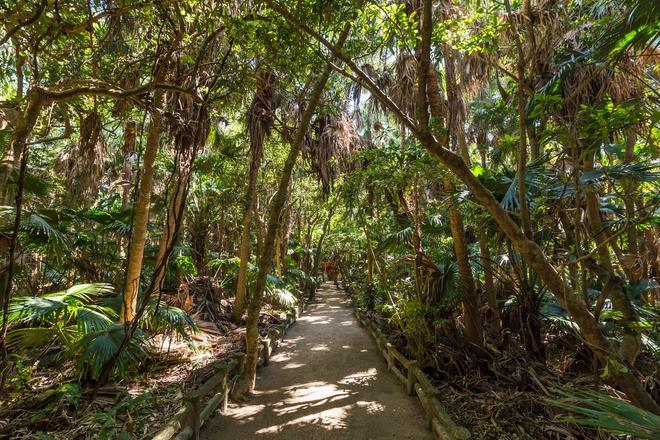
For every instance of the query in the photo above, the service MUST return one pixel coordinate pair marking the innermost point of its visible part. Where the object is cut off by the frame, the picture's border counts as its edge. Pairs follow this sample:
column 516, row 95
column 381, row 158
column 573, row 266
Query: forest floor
column 51, row 404
column 326, row 381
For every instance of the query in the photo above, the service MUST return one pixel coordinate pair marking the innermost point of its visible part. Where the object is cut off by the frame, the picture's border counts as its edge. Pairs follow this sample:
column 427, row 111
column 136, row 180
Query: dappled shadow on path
column 326, row 381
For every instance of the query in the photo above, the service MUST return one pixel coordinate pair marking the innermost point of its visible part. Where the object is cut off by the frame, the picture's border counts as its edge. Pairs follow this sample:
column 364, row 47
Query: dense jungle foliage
column 482, row 176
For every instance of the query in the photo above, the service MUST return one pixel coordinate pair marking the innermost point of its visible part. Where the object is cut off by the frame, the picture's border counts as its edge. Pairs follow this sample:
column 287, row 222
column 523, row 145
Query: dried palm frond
column 404, row 86
column 625, row 82
column 331, row 146
column 474, row 69
column 260, row 116
column 83, row 164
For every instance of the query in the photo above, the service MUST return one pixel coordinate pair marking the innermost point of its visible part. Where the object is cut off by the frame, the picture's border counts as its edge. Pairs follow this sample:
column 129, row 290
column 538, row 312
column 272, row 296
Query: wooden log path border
column 416, row 383
column 201, row 402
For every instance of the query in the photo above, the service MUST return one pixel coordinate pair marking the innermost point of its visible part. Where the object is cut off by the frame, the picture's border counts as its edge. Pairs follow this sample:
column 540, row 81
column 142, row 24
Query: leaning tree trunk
column 141, row 212
column 247, row 382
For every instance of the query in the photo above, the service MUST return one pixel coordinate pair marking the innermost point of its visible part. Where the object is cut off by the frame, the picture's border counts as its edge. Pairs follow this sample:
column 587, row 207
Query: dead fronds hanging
column 83, row 164
column 404, row 86
column 331, row 146
column 260, row 116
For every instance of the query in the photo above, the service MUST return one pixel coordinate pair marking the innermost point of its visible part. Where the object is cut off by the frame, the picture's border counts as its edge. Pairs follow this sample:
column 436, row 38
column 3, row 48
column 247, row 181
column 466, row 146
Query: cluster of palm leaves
column 80, row 324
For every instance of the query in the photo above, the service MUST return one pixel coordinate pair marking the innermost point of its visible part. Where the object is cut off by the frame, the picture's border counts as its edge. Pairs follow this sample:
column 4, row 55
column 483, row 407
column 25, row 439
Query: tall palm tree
column 260, row 122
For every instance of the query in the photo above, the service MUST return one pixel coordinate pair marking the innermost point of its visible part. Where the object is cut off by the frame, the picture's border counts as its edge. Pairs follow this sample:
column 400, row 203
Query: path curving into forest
column 326, row 381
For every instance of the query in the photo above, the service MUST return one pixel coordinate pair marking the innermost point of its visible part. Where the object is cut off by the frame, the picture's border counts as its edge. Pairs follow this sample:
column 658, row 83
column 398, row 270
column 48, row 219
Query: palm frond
column 30, row 337
column 638, row 28
column 397, row 238
column 536, row 179
column 26, row 309
column 280, row 296
column 159, row 317
column 616, row 416
column 100, row 346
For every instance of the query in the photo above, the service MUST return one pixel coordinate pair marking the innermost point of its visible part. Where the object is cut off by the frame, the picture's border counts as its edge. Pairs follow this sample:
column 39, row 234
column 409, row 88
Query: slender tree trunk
column 220, row 234
column 247, row 382
column 128, row 149
column 258, row 224
column 244, row 250
column 244, row 257
column 522, row 124
column 141, row 212
column 286, row 234
column 471, row 313
column 631, row 342
column 260, row 121
column 175, row 208
column 489, row 284
column 319, row 246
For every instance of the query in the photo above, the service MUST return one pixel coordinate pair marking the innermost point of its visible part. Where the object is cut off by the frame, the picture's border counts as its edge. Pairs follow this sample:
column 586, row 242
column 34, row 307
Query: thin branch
column 21, row 24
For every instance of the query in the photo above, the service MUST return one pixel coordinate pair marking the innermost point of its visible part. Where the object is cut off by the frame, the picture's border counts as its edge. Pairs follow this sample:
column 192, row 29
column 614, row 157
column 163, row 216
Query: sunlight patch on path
column 326, row 381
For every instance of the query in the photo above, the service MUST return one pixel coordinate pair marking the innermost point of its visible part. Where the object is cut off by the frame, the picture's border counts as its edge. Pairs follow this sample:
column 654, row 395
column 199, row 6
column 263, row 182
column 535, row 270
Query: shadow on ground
column 326, row 381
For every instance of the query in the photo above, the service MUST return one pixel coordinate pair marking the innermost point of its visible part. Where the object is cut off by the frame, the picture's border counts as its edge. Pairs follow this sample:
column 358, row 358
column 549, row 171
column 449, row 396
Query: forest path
column 325, row 381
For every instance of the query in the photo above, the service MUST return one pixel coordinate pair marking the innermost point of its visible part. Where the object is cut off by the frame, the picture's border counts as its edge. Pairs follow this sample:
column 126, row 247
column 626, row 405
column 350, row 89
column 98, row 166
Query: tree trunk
column 141, row 213
column 631, row 343
column 175, row 209
column 319, row 246
column 260, row 120
column 286, row 234
column 128, row 149
column 489, row 284
column 471, row 313
column 247, row 382
column 244, row 256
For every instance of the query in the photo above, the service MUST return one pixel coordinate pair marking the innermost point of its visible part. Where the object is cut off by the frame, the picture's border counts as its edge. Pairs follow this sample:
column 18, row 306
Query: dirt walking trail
column 326, row 381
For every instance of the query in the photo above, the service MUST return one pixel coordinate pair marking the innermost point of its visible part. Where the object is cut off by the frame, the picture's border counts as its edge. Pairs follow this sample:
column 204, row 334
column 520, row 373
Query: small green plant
column 185, row 265
column 121, row 420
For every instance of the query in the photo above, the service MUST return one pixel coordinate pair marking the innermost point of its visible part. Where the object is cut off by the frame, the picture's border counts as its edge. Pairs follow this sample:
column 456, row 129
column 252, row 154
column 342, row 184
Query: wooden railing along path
column 201, row 402
column 416, row 382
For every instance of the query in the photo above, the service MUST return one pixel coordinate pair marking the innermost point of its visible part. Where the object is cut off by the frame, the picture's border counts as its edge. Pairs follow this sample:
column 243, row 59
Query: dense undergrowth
column 499, row 392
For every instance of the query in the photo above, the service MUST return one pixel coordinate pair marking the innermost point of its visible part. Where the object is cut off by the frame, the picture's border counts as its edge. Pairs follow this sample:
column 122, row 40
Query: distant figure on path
column 330, row 270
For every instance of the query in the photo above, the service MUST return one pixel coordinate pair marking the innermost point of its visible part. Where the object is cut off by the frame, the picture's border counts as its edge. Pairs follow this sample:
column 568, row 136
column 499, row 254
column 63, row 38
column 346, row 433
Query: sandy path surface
column 326, row 381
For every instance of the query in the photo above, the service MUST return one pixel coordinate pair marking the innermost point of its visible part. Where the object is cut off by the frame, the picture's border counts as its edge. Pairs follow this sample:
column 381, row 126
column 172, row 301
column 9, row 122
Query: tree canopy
column 482, row 178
